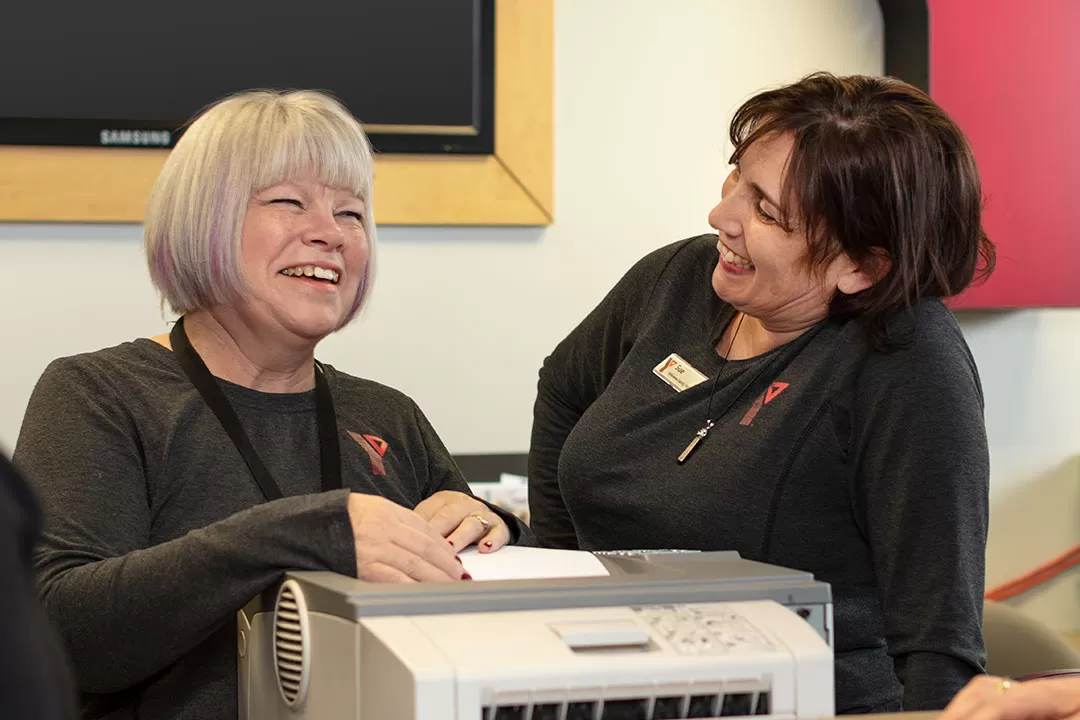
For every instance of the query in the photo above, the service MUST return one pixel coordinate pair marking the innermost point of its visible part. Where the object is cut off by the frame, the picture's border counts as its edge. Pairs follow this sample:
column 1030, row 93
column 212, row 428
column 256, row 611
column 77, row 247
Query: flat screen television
column 418, row 73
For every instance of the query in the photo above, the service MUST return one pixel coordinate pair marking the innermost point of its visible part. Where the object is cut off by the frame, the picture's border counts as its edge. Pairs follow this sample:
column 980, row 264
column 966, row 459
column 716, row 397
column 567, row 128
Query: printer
column 664, row 635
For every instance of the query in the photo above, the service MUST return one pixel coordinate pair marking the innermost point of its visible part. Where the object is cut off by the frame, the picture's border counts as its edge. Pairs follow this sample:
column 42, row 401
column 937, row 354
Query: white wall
column 462, row 318
column 1027, row 360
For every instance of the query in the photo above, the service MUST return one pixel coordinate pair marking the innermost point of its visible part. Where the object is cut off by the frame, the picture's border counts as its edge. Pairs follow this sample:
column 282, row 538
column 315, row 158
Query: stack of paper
column 528, row 563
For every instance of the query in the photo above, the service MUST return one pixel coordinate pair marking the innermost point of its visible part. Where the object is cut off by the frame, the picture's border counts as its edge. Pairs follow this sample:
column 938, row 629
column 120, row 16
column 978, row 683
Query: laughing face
column 304, row 252
column 763, row 269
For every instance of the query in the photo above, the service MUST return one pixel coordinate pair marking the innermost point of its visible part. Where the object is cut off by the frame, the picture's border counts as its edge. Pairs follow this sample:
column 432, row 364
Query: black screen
column 71, row 69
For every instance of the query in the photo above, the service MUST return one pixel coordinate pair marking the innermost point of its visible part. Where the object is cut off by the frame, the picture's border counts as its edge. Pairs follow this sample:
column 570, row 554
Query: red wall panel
column 1008, row 71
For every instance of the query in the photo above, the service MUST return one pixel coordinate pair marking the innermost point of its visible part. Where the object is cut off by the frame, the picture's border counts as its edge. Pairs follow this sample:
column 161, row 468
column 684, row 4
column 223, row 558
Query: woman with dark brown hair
column 794, row 388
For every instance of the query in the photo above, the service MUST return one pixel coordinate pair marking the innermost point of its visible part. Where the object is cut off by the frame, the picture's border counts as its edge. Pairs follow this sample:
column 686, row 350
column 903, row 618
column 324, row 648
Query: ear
column 853, row 278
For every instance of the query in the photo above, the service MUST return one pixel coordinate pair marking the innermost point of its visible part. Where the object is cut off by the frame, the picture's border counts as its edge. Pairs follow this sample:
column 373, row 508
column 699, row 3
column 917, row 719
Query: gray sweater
column 868, row 469
column 156, row 532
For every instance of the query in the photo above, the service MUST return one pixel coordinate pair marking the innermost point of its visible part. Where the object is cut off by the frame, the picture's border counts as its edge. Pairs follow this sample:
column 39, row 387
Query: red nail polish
column 451, row 543
column 458, row 558
column 487, row 543
column 466, row 576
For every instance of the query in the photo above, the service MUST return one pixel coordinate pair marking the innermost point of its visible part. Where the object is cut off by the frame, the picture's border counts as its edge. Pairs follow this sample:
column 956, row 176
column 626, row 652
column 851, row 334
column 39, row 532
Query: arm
column 923, row 486
column 444, row 475
column 126, row 609
column 572, row 378
column 35, row 675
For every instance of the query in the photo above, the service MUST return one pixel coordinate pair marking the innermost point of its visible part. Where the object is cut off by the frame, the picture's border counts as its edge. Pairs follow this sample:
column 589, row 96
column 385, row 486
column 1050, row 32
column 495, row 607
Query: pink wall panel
column 1008, row 71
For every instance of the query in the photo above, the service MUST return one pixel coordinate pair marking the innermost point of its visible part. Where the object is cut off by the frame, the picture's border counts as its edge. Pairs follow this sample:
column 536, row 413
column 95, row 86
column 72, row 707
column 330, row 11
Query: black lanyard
column 204, row 382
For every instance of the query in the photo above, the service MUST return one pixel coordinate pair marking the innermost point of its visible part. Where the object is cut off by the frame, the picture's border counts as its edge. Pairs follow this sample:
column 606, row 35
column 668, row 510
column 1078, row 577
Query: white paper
column 528, row 563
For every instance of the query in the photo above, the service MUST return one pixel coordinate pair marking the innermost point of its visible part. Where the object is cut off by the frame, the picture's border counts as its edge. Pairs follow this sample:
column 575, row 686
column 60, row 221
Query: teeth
column 736, row 260
column 311, row 271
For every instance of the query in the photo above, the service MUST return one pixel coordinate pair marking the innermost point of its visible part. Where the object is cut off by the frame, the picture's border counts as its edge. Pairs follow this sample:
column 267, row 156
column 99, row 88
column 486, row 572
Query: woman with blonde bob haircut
column 183, row 474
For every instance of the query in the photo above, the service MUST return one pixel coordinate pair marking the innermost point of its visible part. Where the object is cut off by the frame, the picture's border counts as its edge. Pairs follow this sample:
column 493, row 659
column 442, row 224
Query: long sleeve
column 923, row 486
column 124, row 608
column 572, row 378
column 34, row 677
column 444, row 474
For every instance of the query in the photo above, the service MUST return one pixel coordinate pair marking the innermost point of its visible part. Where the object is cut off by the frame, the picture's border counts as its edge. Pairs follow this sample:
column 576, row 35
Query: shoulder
column 119, row 367
column 374, row 396
column 930, row 332
column 933, row 353
column 678, row 272
column 692, row 254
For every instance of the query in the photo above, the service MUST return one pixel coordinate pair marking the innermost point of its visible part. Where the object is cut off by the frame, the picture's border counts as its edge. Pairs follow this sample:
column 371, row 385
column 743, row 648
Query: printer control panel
column 706, row 629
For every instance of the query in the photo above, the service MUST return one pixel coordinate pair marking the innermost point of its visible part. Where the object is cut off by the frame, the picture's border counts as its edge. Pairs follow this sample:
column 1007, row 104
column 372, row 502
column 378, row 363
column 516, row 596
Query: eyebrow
column 765, row 195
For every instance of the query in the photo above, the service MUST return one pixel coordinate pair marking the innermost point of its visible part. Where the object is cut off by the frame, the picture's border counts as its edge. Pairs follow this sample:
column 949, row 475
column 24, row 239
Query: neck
column 234, row 352
column 755, row 337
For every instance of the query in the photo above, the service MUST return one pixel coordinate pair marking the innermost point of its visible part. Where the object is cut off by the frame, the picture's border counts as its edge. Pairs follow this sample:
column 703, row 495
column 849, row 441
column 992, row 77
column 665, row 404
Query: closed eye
column 287, row 201
column 764, row 215
column 358, row 217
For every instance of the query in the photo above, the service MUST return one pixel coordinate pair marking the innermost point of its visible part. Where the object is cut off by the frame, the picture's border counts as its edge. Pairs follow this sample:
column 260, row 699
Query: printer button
column 593, row 635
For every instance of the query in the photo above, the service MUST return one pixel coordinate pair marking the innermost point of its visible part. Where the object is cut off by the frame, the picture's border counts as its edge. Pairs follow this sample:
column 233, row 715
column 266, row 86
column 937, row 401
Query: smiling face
column 304, row 252
column 763, row 269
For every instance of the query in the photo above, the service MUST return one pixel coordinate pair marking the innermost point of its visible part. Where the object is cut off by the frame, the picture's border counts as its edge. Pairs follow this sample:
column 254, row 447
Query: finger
column 429, row 547
column 381, row 572
column 497, row 537
column 416, row 566
column 1014, row 701
column 428, row 507
column 412, row 520
column 471, row 529
column 450, row 517
column 971, row 698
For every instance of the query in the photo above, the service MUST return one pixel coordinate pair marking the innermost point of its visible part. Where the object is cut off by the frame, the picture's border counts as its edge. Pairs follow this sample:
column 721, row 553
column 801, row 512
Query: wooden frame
column 512, row 187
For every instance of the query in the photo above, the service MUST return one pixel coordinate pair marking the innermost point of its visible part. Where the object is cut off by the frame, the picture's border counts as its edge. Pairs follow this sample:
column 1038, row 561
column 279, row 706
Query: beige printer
column 664, row 635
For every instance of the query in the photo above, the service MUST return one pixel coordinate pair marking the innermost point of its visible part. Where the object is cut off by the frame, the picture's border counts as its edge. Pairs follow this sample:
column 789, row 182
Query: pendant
column 698, row 437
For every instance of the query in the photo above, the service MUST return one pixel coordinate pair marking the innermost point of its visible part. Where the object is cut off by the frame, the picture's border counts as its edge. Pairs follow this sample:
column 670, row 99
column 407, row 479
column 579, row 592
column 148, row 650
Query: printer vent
column 292, row 638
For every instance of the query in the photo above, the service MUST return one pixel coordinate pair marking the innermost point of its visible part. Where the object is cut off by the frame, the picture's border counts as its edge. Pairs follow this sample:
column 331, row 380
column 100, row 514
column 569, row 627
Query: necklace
column 700, row 435
column 780, row 359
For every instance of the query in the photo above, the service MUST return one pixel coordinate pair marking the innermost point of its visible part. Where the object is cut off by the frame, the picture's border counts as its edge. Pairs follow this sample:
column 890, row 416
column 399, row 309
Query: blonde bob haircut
column 237, row 147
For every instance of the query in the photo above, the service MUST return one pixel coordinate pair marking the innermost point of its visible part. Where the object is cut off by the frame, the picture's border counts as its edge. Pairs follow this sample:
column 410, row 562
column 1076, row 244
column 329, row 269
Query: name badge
column 678, row 373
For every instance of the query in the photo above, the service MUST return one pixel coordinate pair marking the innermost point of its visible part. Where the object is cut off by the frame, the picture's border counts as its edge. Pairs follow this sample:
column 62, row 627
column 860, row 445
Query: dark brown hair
column 876, row 167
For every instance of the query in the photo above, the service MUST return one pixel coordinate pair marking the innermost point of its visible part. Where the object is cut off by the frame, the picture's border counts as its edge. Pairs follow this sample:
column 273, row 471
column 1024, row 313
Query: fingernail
column 451, row 543
column 487, row 543
column 466, row 576
column 458, row 558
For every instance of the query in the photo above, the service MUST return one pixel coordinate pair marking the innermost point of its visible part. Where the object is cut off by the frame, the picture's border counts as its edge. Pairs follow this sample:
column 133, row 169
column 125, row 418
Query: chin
column 718, row 284
column 314, row 327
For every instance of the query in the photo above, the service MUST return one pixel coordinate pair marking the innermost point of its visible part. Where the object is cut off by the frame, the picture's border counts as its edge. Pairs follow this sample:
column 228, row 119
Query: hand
column 464, row 520
column 993, row 698
column 395, row 544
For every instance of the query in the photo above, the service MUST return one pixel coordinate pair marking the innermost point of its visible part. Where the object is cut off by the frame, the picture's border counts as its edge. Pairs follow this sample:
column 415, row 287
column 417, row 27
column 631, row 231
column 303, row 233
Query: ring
column 483, row 522
column 1003, row 685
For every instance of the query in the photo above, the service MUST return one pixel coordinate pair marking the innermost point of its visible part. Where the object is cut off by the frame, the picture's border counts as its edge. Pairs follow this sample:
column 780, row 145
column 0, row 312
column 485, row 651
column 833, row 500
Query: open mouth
column 733, row 258
column 312, row 272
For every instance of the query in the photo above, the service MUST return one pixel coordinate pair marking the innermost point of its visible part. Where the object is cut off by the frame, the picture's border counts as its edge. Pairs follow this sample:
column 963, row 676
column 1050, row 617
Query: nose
column 724, row 218
column 323, row 229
